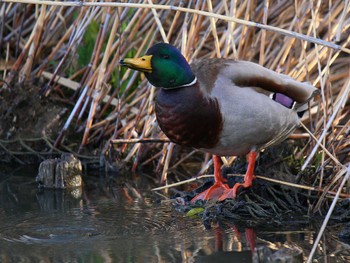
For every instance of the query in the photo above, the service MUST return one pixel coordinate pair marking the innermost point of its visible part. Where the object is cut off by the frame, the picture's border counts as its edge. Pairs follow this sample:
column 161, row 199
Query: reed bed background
column 74, row 48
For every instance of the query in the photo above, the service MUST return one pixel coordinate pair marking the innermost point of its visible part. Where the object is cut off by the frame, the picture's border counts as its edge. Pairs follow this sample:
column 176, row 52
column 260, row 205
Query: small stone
column 261, row 254
column 46, row 174
column 264, row 254
column 61, row 173
column 287, row 255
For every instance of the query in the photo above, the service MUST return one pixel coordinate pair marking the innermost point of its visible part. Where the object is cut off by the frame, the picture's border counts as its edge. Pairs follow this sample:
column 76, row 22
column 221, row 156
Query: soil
column 26, row 121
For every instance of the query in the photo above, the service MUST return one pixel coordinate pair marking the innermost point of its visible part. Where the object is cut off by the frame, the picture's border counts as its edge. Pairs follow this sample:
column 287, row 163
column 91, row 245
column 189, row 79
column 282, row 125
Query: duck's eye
column 165, row 56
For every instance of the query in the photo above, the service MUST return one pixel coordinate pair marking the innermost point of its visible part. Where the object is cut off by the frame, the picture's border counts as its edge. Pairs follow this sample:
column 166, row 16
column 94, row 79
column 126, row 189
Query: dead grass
column 308, row 40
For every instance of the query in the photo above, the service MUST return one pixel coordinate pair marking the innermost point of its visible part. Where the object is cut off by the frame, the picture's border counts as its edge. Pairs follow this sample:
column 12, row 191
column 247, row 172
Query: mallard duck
column 222, row 106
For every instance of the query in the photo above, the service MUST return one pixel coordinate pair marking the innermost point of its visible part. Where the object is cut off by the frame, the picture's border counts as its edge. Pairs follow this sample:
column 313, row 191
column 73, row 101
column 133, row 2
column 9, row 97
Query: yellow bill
column 142, row 64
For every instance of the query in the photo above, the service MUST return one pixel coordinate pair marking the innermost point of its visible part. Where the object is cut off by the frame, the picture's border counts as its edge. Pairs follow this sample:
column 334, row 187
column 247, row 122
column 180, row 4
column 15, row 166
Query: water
column 109, row 222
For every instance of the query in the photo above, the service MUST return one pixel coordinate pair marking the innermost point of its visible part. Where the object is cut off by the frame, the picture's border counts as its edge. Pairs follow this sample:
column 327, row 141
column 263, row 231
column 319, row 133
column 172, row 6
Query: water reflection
column 105, row 222
column 111, row 220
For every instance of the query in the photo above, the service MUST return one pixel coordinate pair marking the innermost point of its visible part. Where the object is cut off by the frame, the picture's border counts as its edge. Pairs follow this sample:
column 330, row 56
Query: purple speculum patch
column 283, row 99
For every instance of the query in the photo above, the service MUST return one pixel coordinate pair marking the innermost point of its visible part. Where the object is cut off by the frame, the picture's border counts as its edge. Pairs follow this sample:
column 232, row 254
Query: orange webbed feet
column 248, row 179
column 219, row 186
column 232, row 192
column 214, row 192
column 221, row 191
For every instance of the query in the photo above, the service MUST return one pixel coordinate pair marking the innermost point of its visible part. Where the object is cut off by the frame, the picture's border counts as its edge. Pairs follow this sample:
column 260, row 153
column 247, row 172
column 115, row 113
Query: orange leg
column 248, row 179
column 218, row 188
column 250, row 235
column 219, row 239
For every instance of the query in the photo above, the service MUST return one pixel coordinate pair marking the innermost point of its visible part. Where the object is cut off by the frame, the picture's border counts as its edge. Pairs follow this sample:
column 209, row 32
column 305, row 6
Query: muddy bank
column 28, row 123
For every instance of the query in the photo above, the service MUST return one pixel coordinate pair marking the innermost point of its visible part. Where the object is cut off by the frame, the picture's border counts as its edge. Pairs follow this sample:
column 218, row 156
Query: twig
column 329, row 213
column 300, row 186
column 321, row 145
column 329, row 123
column 189, row 10
column 182, row 182
column 305, row 187
column 144, row 140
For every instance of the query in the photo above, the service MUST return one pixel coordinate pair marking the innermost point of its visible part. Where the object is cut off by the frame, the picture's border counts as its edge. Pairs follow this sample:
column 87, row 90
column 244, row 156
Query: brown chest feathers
column 188, row 118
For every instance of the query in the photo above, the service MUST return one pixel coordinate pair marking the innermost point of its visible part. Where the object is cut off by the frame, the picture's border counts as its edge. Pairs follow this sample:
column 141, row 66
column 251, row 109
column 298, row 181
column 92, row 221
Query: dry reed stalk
column 307, row 40
column 346, row 172
column 198, row 21
column 188, row 10
column 246, row 11
column 326, row 193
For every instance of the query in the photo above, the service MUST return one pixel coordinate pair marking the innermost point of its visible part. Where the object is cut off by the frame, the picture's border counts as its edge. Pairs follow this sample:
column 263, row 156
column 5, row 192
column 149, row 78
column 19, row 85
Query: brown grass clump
column 76, row 46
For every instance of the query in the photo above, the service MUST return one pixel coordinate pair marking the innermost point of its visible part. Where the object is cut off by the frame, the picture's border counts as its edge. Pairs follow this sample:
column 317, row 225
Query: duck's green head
column 164, row 66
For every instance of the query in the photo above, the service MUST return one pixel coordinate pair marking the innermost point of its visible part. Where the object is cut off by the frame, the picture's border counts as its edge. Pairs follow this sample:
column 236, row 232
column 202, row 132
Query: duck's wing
column 248, row 74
